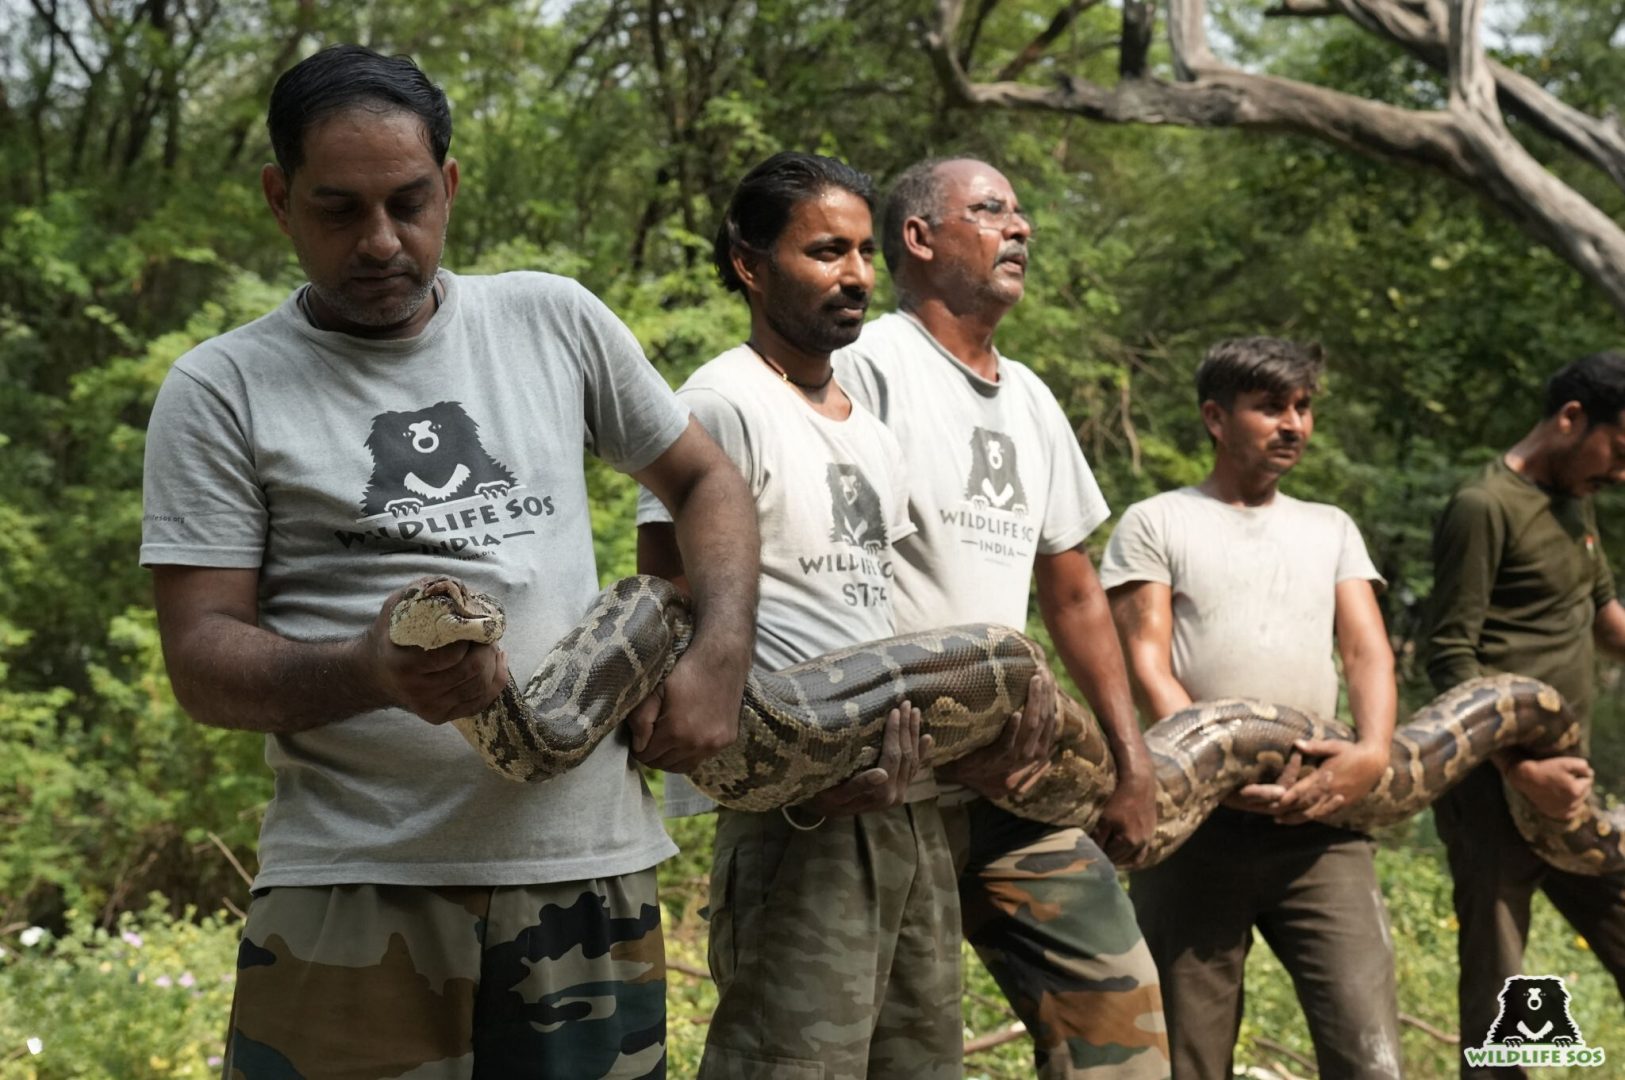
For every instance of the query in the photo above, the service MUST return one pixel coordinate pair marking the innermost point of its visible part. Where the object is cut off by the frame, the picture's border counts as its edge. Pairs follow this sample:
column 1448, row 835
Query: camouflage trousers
column 835, row 950
column 563, row 981
column 1046, row 914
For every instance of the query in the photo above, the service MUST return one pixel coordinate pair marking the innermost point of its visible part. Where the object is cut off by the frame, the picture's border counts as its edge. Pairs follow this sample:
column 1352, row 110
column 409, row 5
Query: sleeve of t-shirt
column 1136, row 552
column 632, row 415
column 202, row 504
column 1076, row 506
column 1353, row 560
column 1602, row 589
column 1467, row 548
column 723, row 422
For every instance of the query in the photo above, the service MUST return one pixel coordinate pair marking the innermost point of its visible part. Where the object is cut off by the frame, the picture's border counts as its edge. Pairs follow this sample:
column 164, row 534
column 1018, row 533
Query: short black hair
column 1277, row 365
column 764, row 200
column 1597, row 382
column 344, row 76
column 917, row 192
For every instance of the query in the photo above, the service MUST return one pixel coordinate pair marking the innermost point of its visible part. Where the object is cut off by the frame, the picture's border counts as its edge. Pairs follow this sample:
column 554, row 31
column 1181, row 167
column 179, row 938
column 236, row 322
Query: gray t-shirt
column 342, row 468
column 830, row 502
column 1254, row 591
column 996, row 475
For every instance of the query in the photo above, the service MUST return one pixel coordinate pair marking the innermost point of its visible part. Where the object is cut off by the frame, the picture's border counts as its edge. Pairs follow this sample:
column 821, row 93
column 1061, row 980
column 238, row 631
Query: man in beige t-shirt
column 1231, row 589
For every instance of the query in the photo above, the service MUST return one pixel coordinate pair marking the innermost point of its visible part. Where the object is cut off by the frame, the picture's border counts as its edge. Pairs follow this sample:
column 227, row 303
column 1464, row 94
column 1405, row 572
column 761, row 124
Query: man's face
column 979, row 243
column 1265, row 431
column 1594, row 458
column 367, row 213
column 814, row 286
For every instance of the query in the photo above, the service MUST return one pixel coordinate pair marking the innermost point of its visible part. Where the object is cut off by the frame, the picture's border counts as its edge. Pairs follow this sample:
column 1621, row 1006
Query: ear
column 1571, row 418
column 747, row 263
column 274, row 183
column 1213, row 417
column 917, row 239
column 451, row 176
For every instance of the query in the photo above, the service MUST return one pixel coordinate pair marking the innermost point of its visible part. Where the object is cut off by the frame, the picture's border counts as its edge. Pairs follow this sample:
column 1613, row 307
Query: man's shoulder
column 889, row 330
column 729, row 376
column 1492, row 489
column 1312, row 509
column 535, row 288
column 256, row 342
column 1160, row 505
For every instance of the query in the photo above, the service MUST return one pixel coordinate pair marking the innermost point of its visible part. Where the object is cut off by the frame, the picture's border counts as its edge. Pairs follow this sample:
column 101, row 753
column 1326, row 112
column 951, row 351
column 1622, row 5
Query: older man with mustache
column 1000, row 493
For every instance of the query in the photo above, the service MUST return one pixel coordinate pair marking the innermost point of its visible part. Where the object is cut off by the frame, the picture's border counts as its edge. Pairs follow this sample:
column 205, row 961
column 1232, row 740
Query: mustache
column 1012, row 251
column 848, row 296
column 401, row 264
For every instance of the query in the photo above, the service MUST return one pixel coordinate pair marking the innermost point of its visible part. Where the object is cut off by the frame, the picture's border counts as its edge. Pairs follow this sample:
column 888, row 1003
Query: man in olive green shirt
column 1521, row 584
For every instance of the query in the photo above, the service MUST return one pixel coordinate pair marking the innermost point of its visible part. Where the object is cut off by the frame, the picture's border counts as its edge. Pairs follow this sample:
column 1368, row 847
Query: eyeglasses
column 994, row 213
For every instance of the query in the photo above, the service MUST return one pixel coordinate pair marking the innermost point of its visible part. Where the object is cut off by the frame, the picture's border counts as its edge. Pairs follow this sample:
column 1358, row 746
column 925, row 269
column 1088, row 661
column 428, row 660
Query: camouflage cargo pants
column 1044, row 910
column 562, row 981
column 835, row 950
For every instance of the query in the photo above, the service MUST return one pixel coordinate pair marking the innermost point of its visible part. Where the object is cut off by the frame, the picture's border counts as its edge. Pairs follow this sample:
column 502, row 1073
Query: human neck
column 322, row 316
column 810, row 373
column 1236, row 488
column 966, row 333
column 1534, row 455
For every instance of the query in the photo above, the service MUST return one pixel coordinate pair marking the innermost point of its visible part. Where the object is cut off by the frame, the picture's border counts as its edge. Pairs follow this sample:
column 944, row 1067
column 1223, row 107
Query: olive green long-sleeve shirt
column 1519, row 574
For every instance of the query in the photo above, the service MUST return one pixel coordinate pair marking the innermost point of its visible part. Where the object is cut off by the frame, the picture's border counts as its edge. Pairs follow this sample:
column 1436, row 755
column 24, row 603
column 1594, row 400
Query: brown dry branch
column 1467, row 140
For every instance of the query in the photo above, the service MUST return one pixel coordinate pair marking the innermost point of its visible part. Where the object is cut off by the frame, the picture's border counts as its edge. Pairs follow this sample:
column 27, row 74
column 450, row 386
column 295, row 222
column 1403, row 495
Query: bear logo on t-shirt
column 432, row 455
column 1534, row 1009
column 994, row 482
column 859, row 520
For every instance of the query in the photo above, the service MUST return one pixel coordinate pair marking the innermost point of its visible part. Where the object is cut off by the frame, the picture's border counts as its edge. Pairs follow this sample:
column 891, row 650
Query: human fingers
column 908, row 745
column 640, row 721
column 863, row 792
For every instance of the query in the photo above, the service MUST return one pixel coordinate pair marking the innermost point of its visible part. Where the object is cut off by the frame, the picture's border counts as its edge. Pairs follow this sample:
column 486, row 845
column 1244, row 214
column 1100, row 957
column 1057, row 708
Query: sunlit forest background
column 599, row 139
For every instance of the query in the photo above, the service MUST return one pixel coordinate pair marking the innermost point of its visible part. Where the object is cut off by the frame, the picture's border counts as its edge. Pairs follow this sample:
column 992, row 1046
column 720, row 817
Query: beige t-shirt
column 830, row 503
column 1254, row 591
column 996, row 475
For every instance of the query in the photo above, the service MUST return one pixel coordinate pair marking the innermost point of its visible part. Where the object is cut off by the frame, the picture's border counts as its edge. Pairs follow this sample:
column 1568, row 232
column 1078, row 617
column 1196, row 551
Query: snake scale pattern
column 810, row 726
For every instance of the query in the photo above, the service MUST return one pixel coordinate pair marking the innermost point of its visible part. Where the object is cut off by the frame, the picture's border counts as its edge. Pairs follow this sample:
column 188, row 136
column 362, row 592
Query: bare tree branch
column 1601, row 142
column 48, row 17
column 1036, row 47
column 1467, row 142
column 982, row 12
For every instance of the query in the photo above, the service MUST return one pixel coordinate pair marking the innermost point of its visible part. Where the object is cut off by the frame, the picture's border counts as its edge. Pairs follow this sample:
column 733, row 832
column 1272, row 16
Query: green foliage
column 599, row 139
column 142, row 999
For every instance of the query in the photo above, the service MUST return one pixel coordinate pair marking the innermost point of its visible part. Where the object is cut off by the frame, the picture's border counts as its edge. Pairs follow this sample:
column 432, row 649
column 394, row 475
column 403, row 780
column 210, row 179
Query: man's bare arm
column 1144, row 614
column 1079, row 619
column 903, row 750
column 230, row 672
column 714, row 519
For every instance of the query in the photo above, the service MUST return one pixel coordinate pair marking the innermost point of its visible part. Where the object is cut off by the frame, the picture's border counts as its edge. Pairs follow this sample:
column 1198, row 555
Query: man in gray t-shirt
column 1231, row 589
column 1001, row 494
column 414, row 911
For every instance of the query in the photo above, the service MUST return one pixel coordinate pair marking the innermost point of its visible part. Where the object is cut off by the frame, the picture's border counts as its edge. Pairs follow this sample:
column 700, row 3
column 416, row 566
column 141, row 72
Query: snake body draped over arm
column 813, row 725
